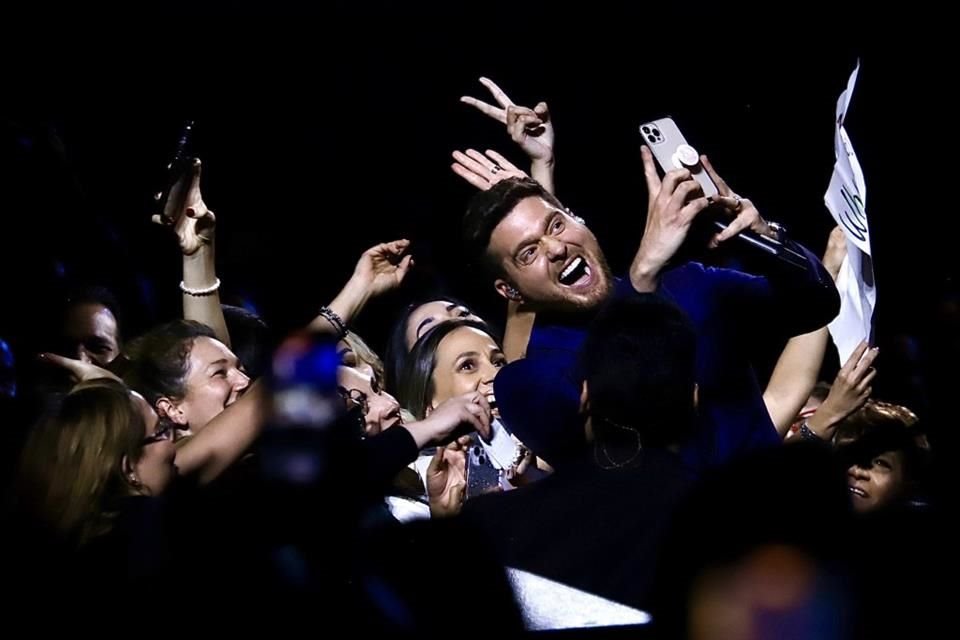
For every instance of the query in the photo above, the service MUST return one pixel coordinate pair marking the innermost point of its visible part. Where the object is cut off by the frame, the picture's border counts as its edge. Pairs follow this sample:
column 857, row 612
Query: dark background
column 324, row 132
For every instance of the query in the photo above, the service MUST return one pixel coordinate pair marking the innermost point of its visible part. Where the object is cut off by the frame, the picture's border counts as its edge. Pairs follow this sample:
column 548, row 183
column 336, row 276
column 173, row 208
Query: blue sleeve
column 789, row 299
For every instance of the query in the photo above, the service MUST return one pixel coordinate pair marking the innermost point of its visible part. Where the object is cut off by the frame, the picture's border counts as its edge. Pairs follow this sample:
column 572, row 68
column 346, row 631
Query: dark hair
column 415, row 389
column 878, row 427
column 160, row 358
column 872, row 415
column 396, row 354
column 94, row 294
column 639, row 362
column 250, row 339
column 488, row 208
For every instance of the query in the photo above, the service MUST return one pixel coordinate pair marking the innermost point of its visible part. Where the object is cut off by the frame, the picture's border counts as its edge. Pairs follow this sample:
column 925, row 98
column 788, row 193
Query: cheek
column 221, row 389
column 465, row 382
column 531, row 278
column 158, row 457
column 448, row 387
column 211, row 393
column 152, row 459
column 885, row 483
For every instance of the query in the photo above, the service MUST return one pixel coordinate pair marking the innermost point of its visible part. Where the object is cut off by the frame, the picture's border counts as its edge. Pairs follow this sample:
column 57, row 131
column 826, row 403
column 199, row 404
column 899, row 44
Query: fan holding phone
column 180, row 207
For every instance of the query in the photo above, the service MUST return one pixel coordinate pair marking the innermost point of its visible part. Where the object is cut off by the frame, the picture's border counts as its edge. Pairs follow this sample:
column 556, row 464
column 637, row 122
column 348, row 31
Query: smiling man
column 547, row 259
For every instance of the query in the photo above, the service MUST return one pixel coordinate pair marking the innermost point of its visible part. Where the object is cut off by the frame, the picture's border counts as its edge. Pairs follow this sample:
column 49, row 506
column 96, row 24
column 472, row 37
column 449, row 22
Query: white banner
column 846, row 198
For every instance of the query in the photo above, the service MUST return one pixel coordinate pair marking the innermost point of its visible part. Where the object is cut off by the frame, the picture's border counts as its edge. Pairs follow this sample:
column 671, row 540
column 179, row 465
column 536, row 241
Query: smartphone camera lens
column 651, row 139
column 656, row 132
column 646, row 129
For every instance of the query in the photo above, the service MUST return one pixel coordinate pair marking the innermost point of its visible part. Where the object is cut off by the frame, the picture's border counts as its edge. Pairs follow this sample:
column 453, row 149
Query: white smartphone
column 672, row 151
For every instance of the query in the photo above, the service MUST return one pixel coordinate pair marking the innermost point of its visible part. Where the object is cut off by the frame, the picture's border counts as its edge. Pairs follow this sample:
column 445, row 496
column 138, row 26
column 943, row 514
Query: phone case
column 672, row 151
column 482, row 476
column 178, row 165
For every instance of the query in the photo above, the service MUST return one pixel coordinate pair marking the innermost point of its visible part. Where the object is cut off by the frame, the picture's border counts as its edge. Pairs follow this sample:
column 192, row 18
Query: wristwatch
column 779, row 231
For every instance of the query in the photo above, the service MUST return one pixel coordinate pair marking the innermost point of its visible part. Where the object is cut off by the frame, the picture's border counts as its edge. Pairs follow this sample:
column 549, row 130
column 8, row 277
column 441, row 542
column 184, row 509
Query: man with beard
column 546, row 259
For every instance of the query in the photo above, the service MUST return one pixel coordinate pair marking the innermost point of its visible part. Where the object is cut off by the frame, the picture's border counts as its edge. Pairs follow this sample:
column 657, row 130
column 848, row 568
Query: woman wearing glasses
column 85, row 463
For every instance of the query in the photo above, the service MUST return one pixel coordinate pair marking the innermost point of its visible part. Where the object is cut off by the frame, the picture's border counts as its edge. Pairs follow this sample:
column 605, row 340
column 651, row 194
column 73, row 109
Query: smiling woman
column 416, row 320
column 186, row 373
column 101, row 446
column 196, row 382
column 886, row 456
column 458, row 356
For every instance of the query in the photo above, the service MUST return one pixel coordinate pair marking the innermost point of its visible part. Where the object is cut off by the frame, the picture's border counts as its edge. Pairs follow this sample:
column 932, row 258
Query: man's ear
column 584, row 398
column 507, row 290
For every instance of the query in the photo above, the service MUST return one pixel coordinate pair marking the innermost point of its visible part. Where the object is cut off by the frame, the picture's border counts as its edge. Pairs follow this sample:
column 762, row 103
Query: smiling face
column 877, row 484
column 214, row 381
column 553, row 261
column 467, row 360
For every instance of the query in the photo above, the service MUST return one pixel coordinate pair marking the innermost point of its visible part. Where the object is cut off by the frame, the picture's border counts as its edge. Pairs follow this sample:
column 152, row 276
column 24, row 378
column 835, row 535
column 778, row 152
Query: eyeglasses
column 355, row 399
column 166, row 430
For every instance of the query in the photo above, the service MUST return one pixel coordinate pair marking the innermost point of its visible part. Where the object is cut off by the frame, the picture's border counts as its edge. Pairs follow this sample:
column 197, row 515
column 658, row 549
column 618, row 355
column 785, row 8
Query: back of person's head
column 250, row 339
column 72, row 473
column 416, row 388
column 160, row 359
column 488, row 208
column 638, row 362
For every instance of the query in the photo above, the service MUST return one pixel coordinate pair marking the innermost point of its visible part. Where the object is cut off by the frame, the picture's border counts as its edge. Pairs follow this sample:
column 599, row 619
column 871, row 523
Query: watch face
column 778, row 229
